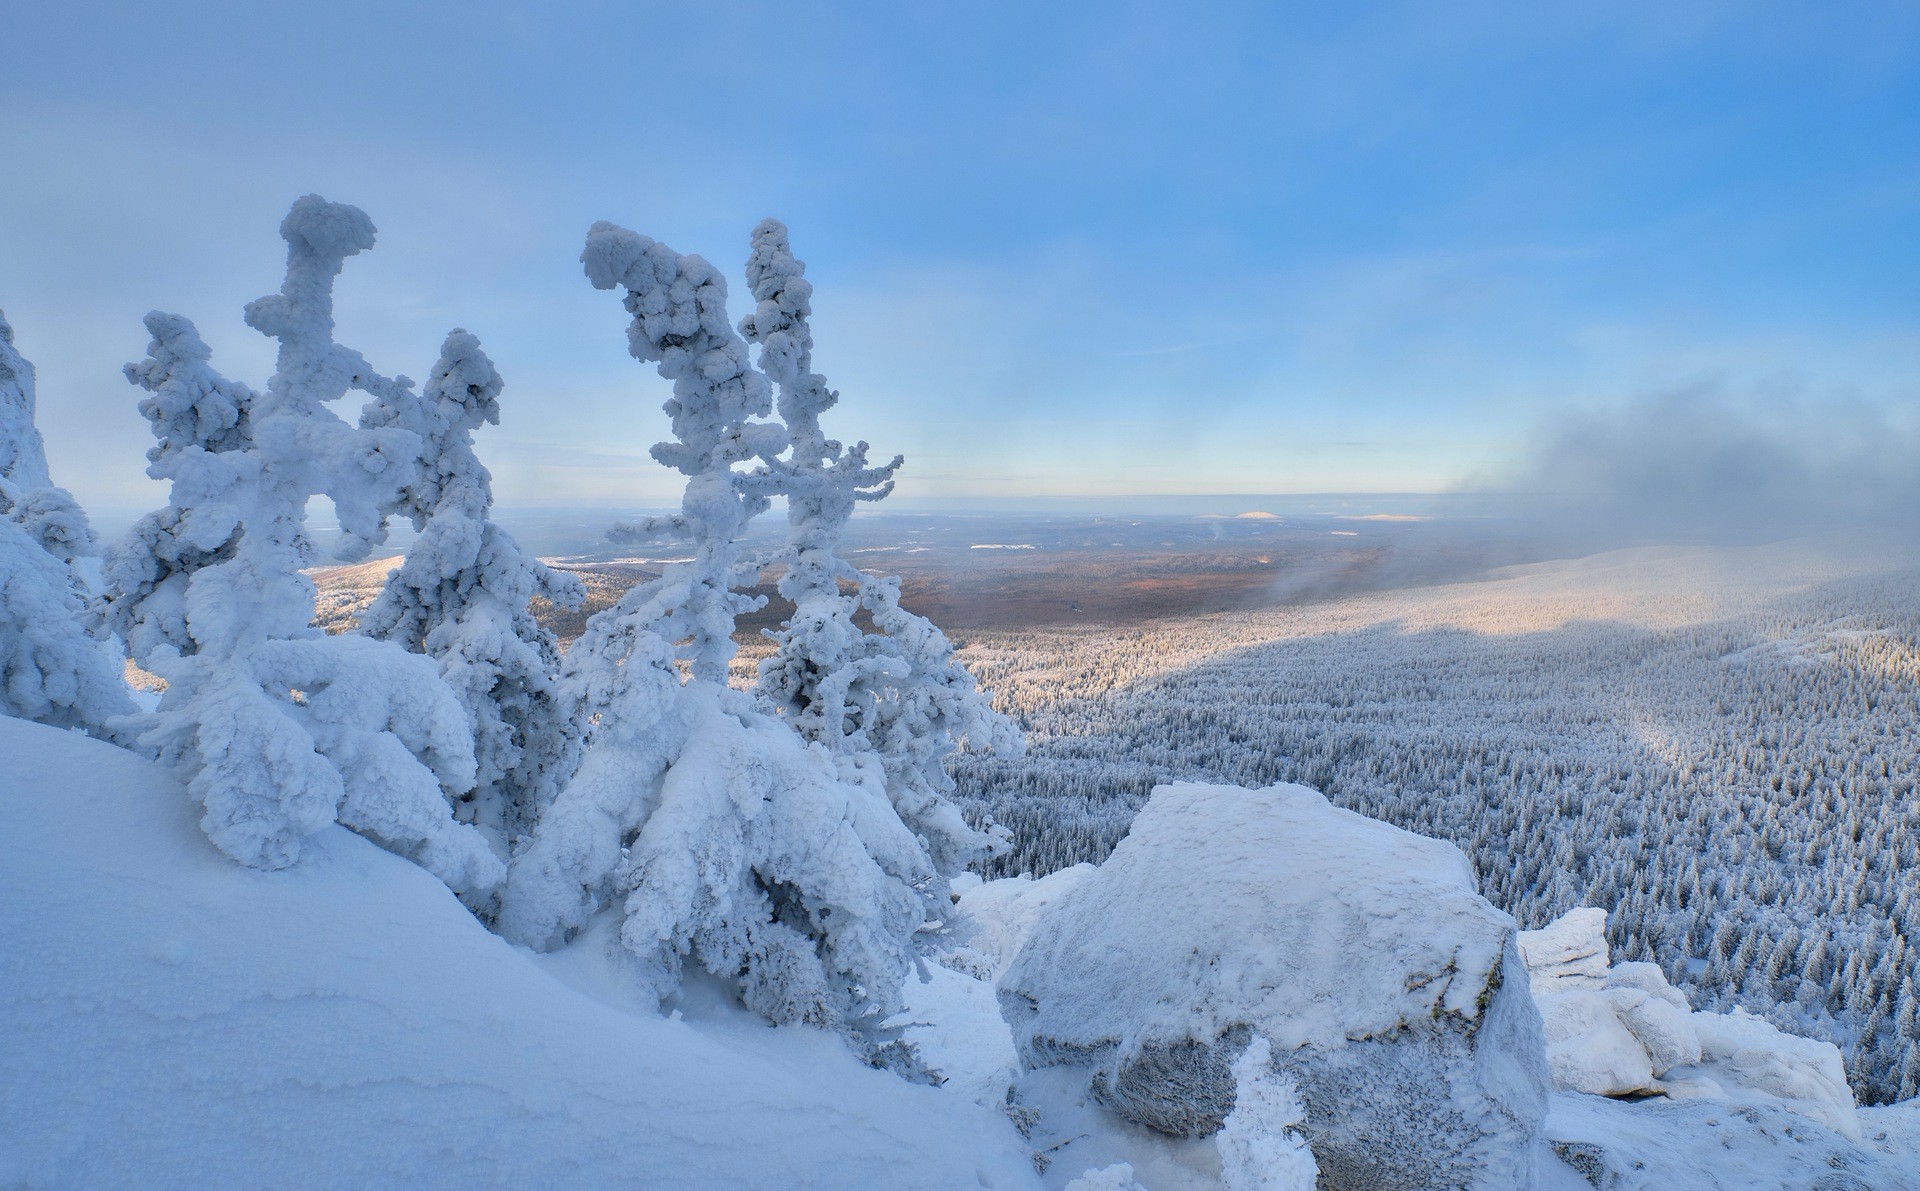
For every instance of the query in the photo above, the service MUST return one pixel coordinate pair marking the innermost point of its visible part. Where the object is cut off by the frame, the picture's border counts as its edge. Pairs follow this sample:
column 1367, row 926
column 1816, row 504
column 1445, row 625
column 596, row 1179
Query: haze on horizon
column 1065, row 252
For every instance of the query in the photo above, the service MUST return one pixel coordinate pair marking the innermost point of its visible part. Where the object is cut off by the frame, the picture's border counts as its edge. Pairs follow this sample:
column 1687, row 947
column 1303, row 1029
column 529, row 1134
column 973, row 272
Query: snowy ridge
column 1257, row 988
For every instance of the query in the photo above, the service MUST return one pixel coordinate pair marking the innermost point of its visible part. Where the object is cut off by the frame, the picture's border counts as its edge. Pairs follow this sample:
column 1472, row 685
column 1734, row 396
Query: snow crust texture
column 1661, row 1144
column 1388, row 990
column 173, row 1019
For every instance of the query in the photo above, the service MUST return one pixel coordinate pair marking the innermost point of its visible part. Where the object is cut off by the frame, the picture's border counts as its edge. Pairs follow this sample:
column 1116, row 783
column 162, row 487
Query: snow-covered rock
column 1569, row 952
column 168, row 1019
column 1389, row 991
column 1610, row 1031
column 1748, row 1061
column 1623, row 1030
column 1590, row 1049
column 997, row 916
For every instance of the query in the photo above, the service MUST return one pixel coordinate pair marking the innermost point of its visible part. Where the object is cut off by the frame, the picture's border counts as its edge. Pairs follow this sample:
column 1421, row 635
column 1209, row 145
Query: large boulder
column 1389, row 991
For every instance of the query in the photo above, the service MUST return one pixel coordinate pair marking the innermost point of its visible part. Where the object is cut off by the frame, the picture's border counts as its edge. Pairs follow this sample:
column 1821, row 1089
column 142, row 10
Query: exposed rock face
column 1390, row 992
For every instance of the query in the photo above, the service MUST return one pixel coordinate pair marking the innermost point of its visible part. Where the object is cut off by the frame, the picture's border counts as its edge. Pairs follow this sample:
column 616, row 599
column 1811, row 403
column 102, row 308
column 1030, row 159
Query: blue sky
column 1059, row 249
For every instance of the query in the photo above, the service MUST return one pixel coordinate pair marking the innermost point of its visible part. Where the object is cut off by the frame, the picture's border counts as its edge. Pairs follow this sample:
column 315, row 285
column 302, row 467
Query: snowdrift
column 173, row 1018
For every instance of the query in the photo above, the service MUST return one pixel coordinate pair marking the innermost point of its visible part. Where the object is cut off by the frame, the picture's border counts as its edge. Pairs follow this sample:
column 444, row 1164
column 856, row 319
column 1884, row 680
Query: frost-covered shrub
column 773, row 856
column 1118, row 1177
column 54, row 666
column 1261, row 1144
column 280, row 729
column 895, row 692
column 461, row 596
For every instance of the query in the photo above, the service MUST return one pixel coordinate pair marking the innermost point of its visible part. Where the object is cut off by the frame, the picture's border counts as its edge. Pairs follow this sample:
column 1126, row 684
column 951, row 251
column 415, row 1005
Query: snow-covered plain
column 173, row 1019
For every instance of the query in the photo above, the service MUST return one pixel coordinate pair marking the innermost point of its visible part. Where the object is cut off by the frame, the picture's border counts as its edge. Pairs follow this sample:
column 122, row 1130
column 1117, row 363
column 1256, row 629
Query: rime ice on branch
column 48, row 514
column 461, row 596
column 52, row 667
column 282, row 729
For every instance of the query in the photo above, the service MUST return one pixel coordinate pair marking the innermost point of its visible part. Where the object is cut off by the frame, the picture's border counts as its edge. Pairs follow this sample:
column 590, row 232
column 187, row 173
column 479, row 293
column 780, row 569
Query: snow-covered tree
column 280, row 729
column 733, row 841
column 54, row 665
column 189, row 406
column 23, row 456
column 461, row 596
column 895, row 692
column 51, row 669
column 28, row 495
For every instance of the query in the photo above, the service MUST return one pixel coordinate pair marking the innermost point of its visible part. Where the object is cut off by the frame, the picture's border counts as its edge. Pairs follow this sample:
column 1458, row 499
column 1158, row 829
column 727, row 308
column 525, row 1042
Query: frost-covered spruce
column 48, row 514
column 734, row 842
column 895, row 693
column 280, row 729
column 190, row 407
column 461, row 596
column 53, row 666
column 23, row 456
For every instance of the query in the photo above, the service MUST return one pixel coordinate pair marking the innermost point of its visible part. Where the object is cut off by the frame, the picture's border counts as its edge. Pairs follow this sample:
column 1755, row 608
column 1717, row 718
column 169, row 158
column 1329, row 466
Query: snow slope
column 171, row 1018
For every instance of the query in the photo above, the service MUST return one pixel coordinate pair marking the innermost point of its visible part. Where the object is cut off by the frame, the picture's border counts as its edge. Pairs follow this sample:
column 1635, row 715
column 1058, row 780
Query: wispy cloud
column 1713, row 463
